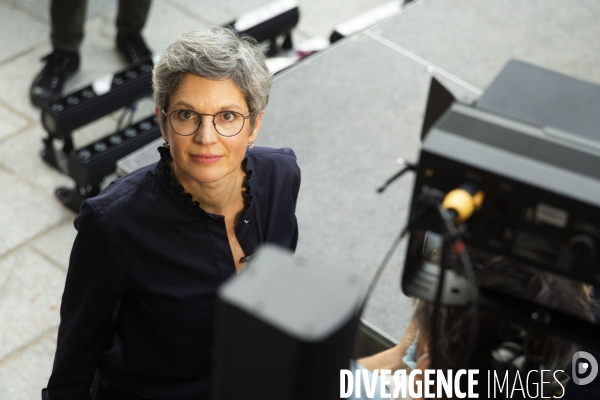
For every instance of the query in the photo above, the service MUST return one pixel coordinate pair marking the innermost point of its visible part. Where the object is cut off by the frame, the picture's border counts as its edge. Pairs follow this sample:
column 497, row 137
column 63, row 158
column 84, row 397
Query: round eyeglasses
column 186, row 122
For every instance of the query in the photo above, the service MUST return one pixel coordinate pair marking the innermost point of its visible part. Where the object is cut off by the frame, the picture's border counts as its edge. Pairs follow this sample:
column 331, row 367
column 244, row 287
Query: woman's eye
column 227, row 116
column 185, row 115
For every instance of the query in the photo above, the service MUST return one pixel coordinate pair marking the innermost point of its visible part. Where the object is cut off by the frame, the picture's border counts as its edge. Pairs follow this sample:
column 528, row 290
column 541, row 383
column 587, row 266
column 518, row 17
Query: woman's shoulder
column 270, row 153
column 271, row 162
column 270, row 169
column 124, row 190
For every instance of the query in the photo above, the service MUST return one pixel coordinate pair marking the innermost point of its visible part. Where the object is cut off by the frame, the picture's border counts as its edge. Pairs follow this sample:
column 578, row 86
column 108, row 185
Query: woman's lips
column 205, row 158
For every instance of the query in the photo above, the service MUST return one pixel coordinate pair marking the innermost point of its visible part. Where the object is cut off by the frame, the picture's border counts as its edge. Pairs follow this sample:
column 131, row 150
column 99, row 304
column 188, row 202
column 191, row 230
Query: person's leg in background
column 67, row 20
column 131, row 19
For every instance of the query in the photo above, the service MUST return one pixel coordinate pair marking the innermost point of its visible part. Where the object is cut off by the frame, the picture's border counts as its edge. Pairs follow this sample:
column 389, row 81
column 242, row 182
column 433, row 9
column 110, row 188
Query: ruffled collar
column 186, row 198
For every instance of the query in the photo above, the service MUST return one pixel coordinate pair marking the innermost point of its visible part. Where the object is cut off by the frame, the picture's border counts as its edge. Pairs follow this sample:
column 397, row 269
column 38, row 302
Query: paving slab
column 20, row 154
column 41, row 8
column 473, row 39
column 56, row 244
column 216, row 13
column 10, row 122
column 23, row 378
column 319, row 18
column 30, row 293
column 157, row 33
column 17, row 76
column 25, row 212
column 16, row 40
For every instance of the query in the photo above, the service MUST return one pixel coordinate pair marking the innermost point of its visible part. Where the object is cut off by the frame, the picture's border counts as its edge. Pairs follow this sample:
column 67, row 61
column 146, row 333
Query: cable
column 474, row 296
column 121, row 119
column 389, row 254
column 379, row 271
column 126, row 111
column 438, row 294
column 409, row 167
column 460, row 249
column 386, row 259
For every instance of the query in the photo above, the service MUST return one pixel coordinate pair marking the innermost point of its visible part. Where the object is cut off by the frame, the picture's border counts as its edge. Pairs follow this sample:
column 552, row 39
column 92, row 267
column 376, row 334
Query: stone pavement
column 37, row 231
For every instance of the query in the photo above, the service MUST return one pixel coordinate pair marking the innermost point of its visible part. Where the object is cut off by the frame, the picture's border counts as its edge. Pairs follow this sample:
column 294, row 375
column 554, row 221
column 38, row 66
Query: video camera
column 517, row 175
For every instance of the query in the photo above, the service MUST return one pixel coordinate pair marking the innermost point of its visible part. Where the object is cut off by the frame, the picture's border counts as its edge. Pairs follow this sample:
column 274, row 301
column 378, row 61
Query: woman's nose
column 206, row 132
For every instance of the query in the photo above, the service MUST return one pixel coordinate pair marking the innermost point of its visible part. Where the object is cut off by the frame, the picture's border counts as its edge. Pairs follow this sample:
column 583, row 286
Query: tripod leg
column 287, row 41
column 48, row 153
column 272, row 47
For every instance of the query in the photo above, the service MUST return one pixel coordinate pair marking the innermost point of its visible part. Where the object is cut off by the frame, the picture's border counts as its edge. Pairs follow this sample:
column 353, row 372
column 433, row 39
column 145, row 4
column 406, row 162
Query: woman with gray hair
column 152, row 248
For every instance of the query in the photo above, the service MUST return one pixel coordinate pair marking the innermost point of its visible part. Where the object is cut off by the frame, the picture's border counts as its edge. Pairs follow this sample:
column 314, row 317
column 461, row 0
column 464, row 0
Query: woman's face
column 206, row 156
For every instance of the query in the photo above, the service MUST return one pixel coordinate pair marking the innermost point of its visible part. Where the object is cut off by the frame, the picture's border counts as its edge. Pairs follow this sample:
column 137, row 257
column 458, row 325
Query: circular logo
column 588, row 367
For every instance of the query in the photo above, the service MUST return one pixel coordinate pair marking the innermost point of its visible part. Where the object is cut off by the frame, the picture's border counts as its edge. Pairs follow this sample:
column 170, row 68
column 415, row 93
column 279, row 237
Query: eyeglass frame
column 213, row 121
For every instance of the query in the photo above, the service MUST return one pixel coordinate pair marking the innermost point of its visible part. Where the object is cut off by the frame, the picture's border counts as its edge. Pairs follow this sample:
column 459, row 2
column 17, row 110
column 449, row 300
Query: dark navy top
column 141, row 287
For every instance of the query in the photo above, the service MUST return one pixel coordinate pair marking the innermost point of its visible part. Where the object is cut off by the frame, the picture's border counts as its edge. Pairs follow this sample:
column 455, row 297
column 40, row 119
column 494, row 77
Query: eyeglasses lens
column 227, row 123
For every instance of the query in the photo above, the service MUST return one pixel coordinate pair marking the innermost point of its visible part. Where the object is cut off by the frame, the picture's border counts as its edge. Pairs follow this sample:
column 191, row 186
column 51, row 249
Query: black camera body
column 542, row 188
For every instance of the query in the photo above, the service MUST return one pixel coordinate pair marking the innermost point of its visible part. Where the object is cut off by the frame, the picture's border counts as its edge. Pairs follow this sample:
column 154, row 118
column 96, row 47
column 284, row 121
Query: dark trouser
column 68, row 18
column 108, row 392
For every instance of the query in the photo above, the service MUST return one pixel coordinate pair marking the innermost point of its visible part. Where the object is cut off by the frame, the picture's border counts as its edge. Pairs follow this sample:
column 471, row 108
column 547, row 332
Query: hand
column 411, row 333
column 392, row 358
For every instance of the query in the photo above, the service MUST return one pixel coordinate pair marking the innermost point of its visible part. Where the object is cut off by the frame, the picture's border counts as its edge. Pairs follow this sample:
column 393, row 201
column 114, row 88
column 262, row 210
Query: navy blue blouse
column 141, row 287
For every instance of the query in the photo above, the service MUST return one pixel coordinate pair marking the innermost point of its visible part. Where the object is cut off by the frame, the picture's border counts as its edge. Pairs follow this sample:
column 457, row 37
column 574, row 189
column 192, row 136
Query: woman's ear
column 254, row 133
column 160, row 125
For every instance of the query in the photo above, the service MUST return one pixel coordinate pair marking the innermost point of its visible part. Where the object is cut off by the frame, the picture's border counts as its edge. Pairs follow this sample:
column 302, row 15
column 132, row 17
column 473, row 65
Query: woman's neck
column 221, row 198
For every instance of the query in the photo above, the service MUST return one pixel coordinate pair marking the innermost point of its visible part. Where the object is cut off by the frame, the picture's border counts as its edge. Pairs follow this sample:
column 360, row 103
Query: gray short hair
column 214, row 53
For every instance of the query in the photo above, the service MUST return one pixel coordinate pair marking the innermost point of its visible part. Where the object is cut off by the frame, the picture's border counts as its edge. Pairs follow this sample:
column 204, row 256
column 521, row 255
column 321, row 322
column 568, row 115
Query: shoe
column 132, row 47
column 48, row 84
